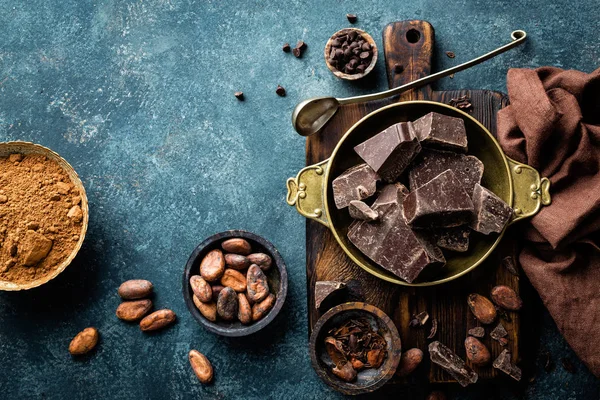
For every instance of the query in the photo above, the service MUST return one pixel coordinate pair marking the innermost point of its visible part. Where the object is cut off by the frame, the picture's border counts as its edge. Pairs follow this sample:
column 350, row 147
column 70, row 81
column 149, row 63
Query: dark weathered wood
column 446, row 303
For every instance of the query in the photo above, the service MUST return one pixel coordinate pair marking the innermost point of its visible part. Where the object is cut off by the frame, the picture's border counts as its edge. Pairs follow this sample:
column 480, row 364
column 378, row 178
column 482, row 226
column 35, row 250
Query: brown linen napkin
column 553, row 124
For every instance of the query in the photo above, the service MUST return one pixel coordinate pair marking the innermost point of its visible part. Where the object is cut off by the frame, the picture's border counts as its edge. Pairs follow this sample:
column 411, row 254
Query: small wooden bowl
column 367, row 380
column 26, row 148
column 276, row 275
column 343, row 75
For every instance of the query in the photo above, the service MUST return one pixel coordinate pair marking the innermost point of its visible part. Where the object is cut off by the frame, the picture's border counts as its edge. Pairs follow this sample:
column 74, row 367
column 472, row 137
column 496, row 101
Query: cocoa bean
column 258, row 286
column 261, row 259
column 201, row 366
column 477, row 353
column 237, row 246
column 234, row 279
column 409, row 361
column 244, row 309
column 84, row 341
column 133, row 310
column 436, row 395
column 212, row 265
column 216, row 289
column 157, row 320
column 261, row 309
column 208, row 310
column 201, row 288
column 237, row 261
column 506, row 298
column 227, row 304
column 135, row 289
column 482, row 308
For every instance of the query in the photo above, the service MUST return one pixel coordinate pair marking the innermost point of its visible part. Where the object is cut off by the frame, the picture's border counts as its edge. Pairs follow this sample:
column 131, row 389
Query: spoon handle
column 518, row 37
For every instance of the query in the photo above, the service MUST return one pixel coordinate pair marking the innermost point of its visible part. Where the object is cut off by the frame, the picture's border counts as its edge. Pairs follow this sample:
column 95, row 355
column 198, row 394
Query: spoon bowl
column 311, row 115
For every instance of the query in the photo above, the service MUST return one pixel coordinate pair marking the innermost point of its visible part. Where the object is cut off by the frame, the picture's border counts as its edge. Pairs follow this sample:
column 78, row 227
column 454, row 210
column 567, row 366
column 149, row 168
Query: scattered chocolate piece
column 454, row 239
column 280, row 90
column 239, row 95
column 286, row 48
column 503, row 341
column 491, row 213
column 433, row 331
column 360, row 210
column 299, row 49
column 301, row 45
column 419, row 319
column 323, row 289
column 441, row 202
column 351, row 18
column 510, row 265
column 398, row 68
column 451, row 363
column 356, row 183
column 478, row 332
column 441, row 131
column 390, row 152
column 499, row 332
column 568, row 365
column 504, row 364
column 462, row 103
column 450, row 54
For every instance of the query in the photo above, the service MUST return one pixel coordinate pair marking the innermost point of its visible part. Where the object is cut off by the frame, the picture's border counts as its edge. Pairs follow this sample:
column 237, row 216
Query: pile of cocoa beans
column 232, row 283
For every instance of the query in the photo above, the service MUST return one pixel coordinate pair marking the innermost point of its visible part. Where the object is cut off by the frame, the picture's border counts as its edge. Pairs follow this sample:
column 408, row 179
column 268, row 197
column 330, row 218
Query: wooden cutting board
column 410, row 44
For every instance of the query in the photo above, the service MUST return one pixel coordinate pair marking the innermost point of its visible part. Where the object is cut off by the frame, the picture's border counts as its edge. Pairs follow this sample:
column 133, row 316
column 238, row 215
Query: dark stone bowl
column 367, row 380
column 276, row 275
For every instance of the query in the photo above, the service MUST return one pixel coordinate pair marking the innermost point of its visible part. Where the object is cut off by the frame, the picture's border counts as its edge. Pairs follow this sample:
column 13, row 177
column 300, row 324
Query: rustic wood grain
column 446, row 303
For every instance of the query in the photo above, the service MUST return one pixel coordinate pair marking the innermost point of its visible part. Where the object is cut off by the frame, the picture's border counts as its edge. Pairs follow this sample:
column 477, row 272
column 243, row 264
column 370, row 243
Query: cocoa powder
column 40, row 217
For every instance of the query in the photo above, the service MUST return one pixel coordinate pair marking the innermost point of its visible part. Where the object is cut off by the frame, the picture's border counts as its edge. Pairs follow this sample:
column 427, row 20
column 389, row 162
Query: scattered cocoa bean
column 237, row 246
column 409, row 361
column 261, row 309
column 157, row 320
column 216, row 289
column 227, row 304
column 506, row 298
column 84, row 341
column 234, row 279
column 477, row 353
column 478, row 332
column 261, row 259
column 482, row 308
column 258, row 286
column 244, row 309
column 208, row 310
column 201, row 288
column 201, row 366
column 237, row 261
column 135, row 289
column 436, row 395
column 212, row 265
column 133, row 310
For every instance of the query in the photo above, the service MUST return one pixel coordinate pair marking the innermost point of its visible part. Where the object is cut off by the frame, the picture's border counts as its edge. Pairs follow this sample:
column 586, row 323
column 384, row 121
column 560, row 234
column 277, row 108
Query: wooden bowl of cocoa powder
column 43, row 215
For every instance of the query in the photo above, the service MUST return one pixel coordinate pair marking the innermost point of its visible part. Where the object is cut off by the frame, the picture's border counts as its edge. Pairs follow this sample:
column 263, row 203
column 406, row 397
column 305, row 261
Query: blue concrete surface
column 138, row 96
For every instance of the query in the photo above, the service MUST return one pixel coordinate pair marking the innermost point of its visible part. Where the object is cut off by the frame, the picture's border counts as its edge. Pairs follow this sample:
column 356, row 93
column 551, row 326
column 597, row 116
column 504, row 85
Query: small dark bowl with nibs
column 368, row 379
column 276, row 277
column 365, row 55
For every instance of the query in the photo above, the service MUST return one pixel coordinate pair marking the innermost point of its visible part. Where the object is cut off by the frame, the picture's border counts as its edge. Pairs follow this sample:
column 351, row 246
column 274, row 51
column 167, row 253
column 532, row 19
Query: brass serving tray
column 519, row 185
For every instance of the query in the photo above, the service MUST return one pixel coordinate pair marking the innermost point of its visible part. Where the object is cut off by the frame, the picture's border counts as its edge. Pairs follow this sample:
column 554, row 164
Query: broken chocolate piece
column 419, row 319
column 478, row 332
column 441, row 202
column 323, row 289
column 391, row 151
column 499, row 332
column 360, row 210
column 356, row 183
column 455, row 239
column 390, row 242
column 441, row 131
column 452, row 363
column 510, row 265
column 504, row 364
column 430, row 163
column 491, row 213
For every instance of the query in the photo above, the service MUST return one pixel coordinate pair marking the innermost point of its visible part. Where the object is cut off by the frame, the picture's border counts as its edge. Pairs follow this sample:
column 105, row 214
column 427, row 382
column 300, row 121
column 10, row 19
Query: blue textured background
column 138, row 97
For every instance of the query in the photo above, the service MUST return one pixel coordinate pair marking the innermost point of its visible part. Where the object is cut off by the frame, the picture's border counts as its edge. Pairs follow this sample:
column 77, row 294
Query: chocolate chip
column 361, row 68
column 366, row 46
column 297, row 52
column 450, row 54
column 286, row 48
column 280, row 90
column 351, row 18
column 398, row 68
column 301, row 45
column 364, row 55
column 239, row 95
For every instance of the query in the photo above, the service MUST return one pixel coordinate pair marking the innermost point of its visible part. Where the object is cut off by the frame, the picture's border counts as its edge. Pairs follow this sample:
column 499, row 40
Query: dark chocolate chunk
column 441, row 202
column 390, row 242
column 356, row 183
column 286, row 48
column 360, row 210
column 452, row 363
column 499, row 332
column 351, row 18
column 431, row 163
column 239, row 95
column 441, row 131
column 391, row 151
column 280, row 90
column 462, row 103
column 323, row 289
column 504, row 364
column 491, row 213
column 478, row 331
column 454, row 239
column 509, row 263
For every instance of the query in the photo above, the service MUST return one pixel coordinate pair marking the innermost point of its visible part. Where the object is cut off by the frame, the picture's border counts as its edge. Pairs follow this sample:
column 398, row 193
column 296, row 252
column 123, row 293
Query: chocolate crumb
column 352, row 18
column 450, row 54
column 239, row 95
column 478, row 332
column 280, row 90
column 510, row 264
column 286, row 48
column 462, row 103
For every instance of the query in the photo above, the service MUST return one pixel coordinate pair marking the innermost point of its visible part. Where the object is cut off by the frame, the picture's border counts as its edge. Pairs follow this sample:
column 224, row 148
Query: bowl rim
column 76, row 180
column 394, row 353
column 343, row 75
column 326, row 178
column 280, row 297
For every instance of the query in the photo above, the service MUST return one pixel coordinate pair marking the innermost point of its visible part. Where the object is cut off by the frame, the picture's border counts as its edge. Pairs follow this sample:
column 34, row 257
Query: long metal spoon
column 310, row 116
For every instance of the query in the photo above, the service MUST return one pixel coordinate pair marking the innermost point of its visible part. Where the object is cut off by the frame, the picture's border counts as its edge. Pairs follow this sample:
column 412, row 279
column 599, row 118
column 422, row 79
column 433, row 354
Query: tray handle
column 306, row 192
column 531, row 191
